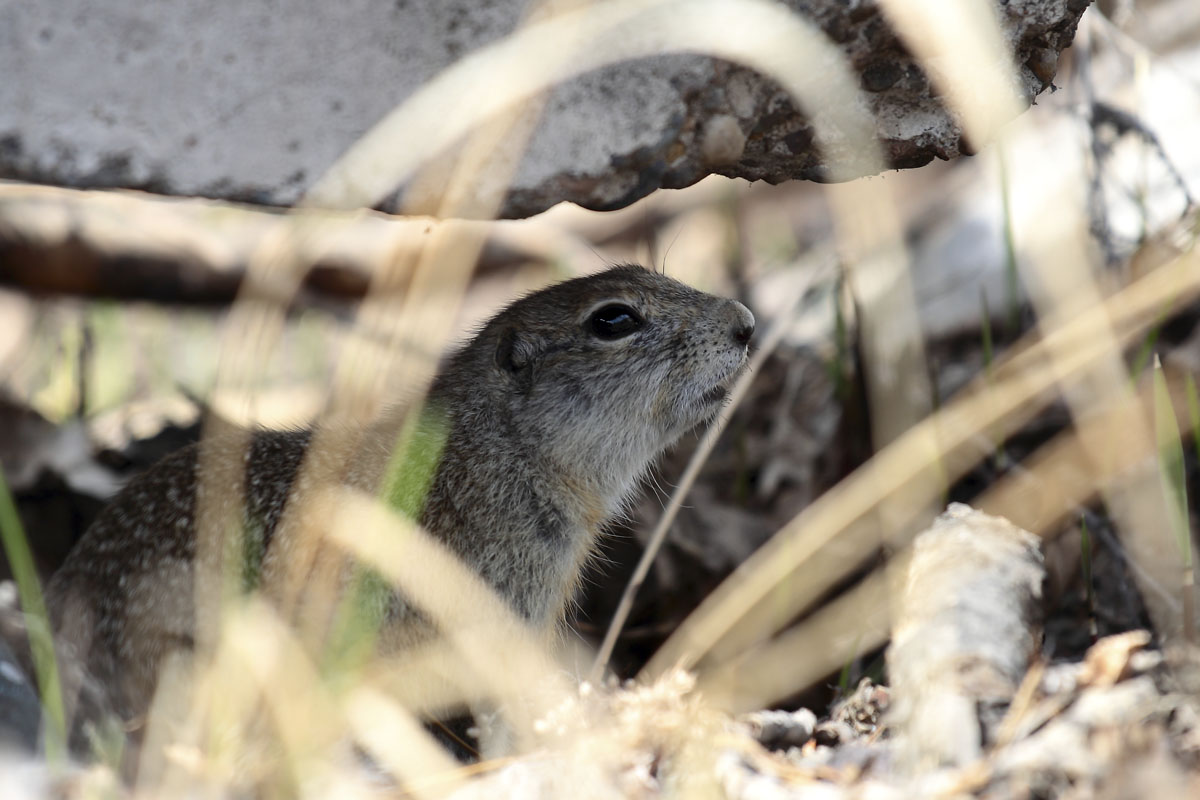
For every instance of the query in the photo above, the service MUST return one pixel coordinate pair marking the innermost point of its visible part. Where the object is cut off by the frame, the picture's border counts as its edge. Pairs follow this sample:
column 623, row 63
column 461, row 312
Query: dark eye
column 614, row 321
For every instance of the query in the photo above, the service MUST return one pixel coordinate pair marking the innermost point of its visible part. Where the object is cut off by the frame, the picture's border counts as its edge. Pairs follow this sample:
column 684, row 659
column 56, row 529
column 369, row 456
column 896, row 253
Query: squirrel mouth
column 720, row 392
column 717, row 394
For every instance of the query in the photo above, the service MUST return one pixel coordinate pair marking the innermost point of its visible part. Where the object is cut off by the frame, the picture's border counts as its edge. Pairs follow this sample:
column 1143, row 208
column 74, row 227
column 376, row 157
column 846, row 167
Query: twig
column 699, row 457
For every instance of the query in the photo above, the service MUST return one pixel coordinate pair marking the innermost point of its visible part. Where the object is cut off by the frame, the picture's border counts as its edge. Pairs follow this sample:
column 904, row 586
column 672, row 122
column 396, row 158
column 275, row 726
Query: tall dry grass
column 260, row 707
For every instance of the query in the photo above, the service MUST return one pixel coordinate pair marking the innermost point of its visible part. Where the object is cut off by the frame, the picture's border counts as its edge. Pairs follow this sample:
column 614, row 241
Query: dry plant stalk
column 496, row 658
column 513, row 71
column 1019, row 386
column 814, row 269
column 1051, row 485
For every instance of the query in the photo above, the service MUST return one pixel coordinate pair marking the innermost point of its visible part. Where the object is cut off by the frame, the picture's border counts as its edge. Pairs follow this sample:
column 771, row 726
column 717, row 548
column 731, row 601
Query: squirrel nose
column 743, row 326
column 743, row 333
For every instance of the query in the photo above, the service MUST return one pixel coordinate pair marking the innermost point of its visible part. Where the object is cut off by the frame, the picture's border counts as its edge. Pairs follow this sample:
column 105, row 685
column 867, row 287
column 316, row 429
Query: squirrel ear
column 515, row 352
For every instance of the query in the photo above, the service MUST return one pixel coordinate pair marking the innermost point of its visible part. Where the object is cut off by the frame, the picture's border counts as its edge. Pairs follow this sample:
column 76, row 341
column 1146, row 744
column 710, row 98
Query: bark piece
column 965, row 634
column 133, row 246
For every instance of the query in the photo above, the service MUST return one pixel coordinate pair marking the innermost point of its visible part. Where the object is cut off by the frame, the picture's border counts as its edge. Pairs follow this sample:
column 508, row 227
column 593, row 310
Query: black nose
column 743, row 332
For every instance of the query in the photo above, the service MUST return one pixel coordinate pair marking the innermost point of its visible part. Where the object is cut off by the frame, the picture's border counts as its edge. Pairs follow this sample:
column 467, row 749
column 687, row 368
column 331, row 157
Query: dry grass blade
column 855, row 623
column 1052, row 485
column 255, row 326
column 416, row 323
column 1061, row 476
column 1063, row 286
column 246, row 727
column 869, row 235
column 890, row 341
column 814, row 273
column 504, row 654
column 709, row 29
column 963, row 49
column 758, row 34
column 441, row 270
column 872, row 248
column 392, row 736
column 1173, row 480
column 264, row 717
column 1000, row 404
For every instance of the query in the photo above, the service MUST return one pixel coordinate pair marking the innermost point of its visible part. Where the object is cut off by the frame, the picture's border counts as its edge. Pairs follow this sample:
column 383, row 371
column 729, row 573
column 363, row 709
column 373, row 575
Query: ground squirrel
column 554, row 412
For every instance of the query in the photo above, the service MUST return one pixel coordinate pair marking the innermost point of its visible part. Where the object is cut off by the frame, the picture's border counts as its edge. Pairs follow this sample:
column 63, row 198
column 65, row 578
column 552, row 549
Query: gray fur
column 550, row 430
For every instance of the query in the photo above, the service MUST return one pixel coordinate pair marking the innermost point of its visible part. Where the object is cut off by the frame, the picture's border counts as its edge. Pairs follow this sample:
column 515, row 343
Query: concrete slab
column 253, row 99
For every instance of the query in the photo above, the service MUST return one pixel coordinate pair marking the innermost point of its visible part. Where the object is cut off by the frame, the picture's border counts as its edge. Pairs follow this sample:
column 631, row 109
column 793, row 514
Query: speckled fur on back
column 552, row 423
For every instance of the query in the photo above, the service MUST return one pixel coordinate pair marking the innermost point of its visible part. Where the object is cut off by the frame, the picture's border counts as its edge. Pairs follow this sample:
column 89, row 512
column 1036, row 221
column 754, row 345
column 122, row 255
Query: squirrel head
column 602, row 373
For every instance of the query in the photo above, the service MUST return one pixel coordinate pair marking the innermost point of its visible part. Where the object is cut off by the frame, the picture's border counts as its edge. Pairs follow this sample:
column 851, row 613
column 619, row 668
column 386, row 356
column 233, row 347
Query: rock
column 779, row 730
column 238, row 100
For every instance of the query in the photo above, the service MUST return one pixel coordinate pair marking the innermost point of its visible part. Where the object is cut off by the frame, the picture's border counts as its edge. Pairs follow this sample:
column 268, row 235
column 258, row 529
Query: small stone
column 779, row 730
column 723, row 141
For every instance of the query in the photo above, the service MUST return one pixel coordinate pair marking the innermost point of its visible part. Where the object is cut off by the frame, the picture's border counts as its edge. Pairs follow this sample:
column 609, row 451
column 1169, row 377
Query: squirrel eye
column 614, row 321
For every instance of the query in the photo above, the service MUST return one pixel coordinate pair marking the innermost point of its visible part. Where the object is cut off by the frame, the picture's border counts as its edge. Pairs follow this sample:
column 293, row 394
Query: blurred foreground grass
column 259, row 713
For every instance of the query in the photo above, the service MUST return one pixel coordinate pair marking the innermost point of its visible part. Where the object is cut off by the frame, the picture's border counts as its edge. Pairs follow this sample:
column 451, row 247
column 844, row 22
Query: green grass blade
column 1012, row 279
column 844, row 675
column 1170, row 459
column 985, row 322
column 1085, row 557
column 1174, row 483
column 1193, row 407
column 37, row 623
column 1144, row 353
column 414, row 461
column 410, row 474
column 840, row 365
column 1085, row 560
